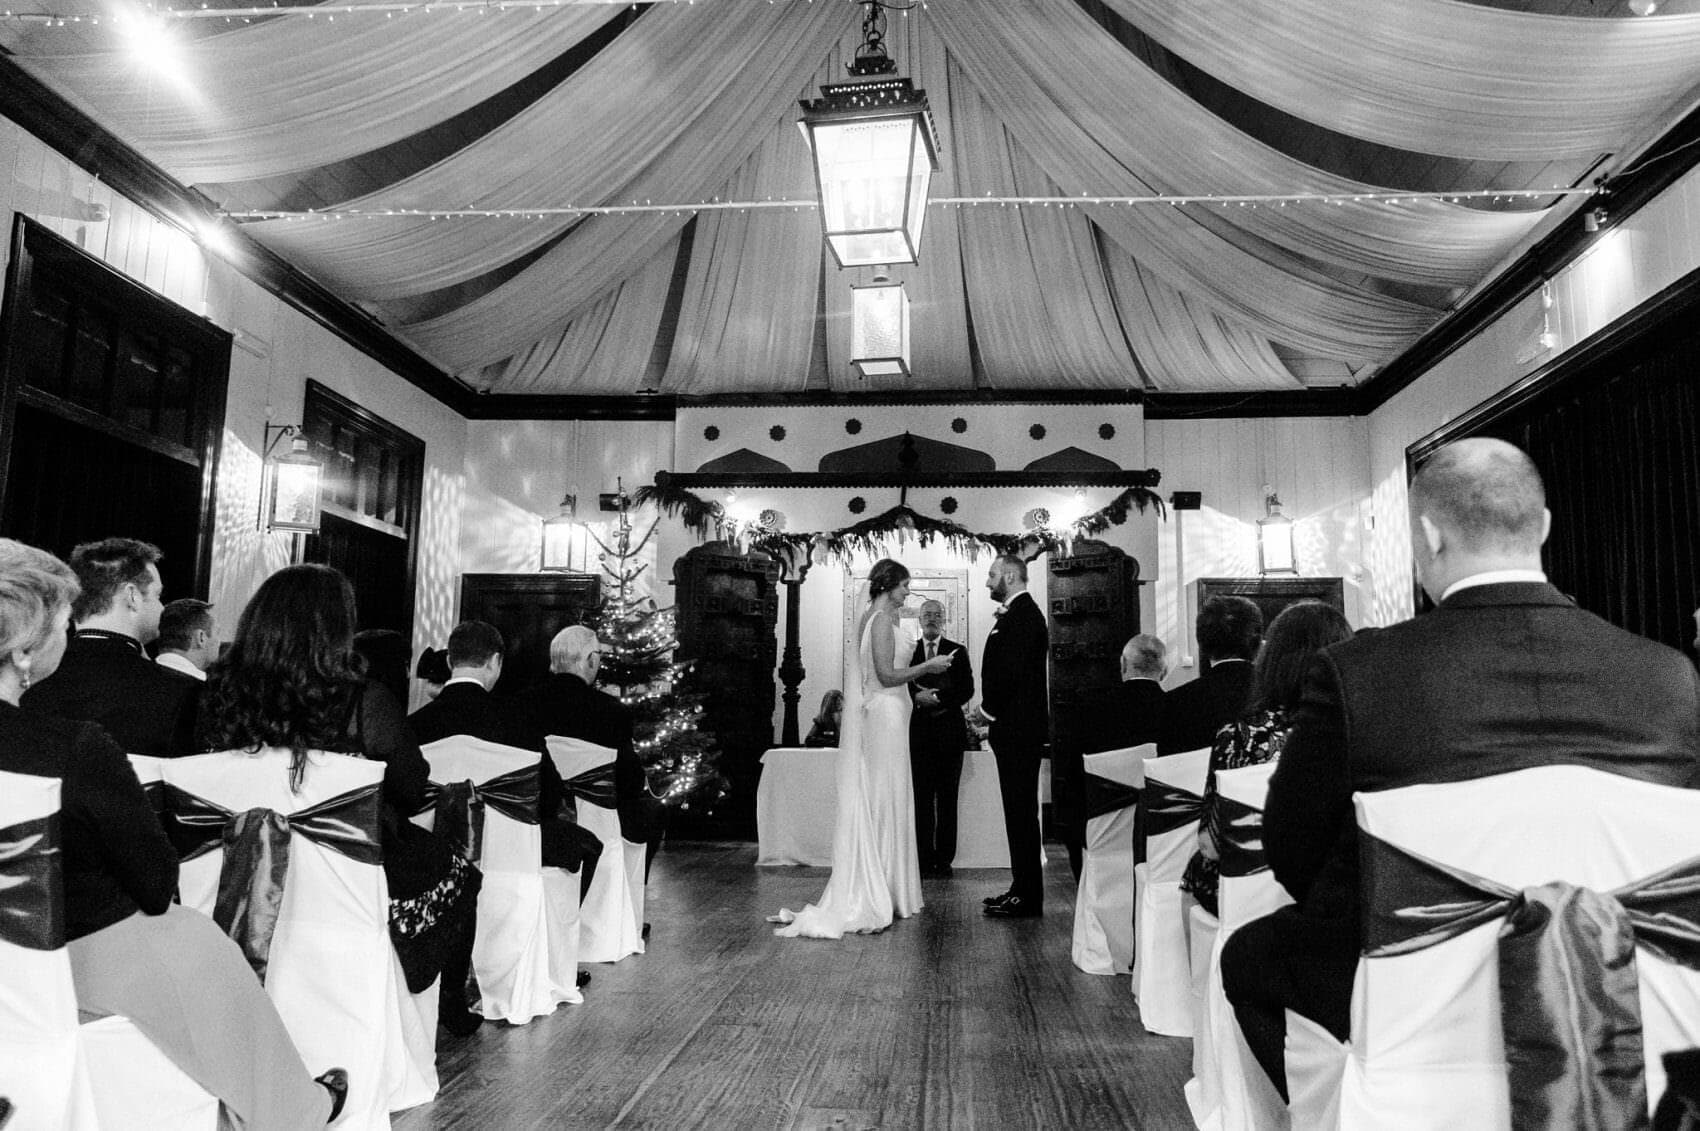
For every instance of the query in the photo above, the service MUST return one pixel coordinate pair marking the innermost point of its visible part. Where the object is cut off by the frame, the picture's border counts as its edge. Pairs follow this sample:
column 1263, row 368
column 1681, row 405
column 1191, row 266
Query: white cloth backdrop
column 1439, row 76
column 295, row 94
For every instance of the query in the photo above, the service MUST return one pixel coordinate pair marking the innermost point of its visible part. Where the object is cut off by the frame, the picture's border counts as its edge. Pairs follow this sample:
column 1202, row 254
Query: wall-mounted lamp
column 564, row 537
column 879, row 328
column 289, row 494
column 1274, row 537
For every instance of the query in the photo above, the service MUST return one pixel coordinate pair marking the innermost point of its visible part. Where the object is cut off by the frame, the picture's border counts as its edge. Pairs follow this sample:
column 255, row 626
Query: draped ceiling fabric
column 1439, row 76
column 697, row 102
column 291, row 95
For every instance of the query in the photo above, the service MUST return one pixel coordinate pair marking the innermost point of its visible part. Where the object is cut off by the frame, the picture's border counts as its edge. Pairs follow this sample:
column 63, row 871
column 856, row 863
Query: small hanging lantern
column 1275, row 538
column 875, row 151
column 563, row 537
column 879, row 328
column 290, row 496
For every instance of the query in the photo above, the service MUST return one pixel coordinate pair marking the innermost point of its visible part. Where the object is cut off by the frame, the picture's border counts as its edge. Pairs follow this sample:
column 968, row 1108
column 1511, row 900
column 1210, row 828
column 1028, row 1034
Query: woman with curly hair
column 135, row 953
column 292, row 680
column 876, row 873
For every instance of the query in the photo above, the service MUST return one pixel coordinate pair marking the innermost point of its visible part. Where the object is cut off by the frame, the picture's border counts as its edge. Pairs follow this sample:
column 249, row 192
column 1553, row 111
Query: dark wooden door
column 727, row 607
column 1272, row 594
column 1094, row 610
column 528, row 609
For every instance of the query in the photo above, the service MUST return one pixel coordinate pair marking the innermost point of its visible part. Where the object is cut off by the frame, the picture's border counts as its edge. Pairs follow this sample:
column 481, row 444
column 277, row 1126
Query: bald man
column 1505, row 674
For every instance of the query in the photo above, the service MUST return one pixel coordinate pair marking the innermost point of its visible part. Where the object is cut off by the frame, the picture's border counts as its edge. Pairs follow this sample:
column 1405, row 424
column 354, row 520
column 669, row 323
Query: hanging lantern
column 1275, row 538
column 291, row 495
column 879, row 329
column 875, row 151
column 564, row 538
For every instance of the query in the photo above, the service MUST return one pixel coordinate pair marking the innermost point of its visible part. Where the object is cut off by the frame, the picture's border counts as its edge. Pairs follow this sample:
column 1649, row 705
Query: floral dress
column 1253, row 740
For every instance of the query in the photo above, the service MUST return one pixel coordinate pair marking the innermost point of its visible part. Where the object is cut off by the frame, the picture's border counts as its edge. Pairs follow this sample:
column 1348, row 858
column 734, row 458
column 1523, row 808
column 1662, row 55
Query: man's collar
column 178, row 662
column 1013, row 598
column 1144, row 679
column 108, row 634
column 474, row 680
column 1494, row 577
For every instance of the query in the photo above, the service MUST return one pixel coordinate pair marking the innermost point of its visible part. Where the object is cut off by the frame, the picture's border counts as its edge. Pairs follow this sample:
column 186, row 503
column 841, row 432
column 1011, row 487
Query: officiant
column 938, row 735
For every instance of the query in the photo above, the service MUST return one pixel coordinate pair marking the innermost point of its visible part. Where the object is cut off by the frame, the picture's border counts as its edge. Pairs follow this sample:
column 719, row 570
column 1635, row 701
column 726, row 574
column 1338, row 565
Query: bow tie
column 999, row 611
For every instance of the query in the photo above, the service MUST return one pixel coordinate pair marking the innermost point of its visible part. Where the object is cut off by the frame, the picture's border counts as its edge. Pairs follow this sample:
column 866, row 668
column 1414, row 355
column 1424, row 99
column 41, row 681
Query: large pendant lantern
column 875, row 150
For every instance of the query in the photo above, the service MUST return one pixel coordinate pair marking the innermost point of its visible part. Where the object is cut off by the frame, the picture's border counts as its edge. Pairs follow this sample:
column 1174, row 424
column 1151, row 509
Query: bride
column 875, row 870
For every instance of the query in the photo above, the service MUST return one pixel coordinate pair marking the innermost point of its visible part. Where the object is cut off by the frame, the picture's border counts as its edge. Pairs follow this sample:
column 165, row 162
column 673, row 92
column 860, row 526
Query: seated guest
column 566, row 703
column 188, row 638
column 385, row 651
column 106, row 678
column 824, row 732
column 292, row 680
column 133, row 951
column 1229, row 630
column 433, row 671
column 1297, row 634
column 1131, row 712
column 1504, row 674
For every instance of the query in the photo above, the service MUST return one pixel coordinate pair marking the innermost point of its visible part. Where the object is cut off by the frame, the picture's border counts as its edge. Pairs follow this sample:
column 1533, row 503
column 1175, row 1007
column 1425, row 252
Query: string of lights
column 1239, row 200
column 386, row 8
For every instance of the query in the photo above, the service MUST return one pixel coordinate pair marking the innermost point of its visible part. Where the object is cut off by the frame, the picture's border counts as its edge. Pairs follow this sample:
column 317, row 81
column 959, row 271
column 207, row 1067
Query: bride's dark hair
column 884, row 577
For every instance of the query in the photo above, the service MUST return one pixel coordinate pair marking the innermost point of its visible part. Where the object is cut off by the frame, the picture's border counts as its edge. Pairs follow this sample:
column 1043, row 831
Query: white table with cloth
column 797, row 803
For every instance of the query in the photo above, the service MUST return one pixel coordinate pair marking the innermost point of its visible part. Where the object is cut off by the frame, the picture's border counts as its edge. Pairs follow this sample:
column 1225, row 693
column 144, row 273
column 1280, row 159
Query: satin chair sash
column 155, row 791
column 31, row 913
column 1569, row 992
column 1240, row 845
column 256, row 854
column 1106, row 795
column 1163, row 808
column 595, row 786
column 460, row 806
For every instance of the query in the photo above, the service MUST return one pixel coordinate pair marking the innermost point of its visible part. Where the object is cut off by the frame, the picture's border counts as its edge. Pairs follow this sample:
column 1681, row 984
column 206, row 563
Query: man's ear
column 1432, row 535
column 1546, row 524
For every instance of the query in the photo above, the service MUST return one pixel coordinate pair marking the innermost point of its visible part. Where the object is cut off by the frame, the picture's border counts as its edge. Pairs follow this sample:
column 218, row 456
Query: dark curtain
column 1619, row 448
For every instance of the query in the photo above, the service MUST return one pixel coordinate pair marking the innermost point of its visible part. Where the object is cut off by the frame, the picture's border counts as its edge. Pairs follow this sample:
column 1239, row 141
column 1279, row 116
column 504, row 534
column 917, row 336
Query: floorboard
column 946, row 1020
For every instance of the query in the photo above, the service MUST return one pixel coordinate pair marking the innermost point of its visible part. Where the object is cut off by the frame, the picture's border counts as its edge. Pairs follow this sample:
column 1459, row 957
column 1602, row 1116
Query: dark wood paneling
column 528, row 609
column 1272, row 594
column 1093, row 605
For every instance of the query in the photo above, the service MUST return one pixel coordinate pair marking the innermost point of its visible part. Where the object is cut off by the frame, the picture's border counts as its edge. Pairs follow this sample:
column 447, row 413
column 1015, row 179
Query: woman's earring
column 24, row 673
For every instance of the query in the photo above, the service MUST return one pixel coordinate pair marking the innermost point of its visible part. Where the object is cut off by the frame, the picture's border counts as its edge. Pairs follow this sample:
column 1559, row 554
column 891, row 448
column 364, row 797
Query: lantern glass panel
column 295, row 495
column 879, row 330
column 1275, row 546
column 563, row 544
column 873, row 181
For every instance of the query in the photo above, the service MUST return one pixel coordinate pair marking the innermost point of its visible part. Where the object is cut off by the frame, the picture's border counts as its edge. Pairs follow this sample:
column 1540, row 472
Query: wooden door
column 528, row 609
column 1094, row 610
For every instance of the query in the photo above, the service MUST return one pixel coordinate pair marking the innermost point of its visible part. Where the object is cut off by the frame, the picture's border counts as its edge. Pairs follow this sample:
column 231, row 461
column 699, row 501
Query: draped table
column 797, row 800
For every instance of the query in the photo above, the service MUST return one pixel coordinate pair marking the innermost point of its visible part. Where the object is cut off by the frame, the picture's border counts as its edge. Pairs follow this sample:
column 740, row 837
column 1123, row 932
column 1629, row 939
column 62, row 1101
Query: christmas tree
column 681, row 758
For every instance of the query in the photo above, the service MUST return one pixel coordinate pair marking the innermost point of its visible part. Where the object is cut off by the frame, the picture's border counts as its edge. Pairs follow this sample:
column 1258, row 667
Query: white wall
column 277, row 350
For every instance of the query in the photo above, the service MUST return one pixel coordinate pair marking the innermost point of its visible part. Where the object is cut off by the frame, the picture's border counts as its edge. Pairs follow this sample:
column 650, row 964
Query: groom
column 1013, row 700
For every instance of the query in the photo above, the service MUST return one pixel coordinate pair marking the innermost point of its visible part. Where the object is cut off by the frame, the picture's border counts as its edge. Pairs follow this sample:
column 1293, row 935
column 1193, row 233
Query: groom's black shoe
column 1015, row 908
column 994, row 900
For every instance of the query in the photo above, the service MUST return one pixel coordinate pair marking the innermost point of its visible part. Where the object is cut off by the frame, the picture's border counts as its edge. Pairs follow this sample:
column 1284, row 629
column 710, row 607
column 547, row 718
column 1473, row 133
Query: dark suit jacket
column 565, row 705
column 942, row 727
column 114, row 856
column 1498, row 678
column 1012, row 675
column 1128, row 714
column 105, row 678
column 1195, row 711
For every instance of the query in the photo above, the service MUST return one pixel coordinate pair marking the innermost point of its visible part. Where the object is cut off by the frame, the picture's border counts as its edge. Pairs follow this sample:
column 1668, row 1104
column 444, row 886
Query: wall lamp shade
column 1275, row 540
column 879, row 330
column 564, row 538
column 875, row 151
column 291, row 498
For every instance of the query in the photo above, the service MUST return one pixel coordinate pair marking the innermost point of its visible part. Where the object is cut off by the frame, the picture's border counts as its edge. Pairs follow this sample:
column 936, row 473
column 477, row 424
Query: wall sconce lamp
column 563, row 537
column 879, row 328
column 289, row 495
column 1274, row 537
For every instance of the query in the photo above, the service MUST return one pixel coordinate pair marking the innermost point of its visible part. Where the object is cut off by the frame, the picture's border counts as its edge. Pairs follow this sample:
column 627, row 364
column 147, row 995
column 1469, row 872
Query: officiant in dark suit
column 938, row 734
column 1015, row 701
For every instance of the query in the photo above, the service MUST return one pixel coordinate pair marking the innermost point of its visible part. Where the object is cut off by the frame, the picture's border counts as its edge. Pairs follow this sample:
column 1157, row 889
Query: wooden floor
column 948, row 1019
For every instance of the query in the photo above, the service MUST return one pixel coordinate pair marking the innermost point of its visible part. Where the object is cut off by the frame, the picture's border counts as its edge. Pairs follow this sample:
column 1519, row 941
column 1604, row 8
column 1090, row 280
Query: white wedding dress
column 876, row 871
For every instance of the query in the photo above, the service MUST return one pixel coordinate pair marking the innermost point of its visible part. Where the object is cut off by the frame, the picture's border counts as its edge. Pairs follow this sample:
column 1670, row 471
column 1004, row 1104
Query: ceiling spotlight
column 1594, row 219
column 1643, row 7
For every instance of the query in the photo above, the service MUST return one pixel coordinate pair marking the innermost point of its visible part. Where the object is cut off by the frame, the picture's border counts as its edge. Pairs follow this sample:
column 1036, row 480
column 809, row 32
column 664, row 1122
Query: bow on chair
column 1106, row 795
column 1240, row 847
column 256, row 854
column 1569, row 993
column 1163, row 808
column 31, row 913
column 594, row 785
column 460, row 806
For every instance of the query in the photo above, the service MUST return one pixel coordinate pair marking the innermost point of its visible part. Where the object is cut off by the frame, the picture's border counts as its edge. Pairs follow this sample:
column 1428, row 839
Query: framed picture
column 949, row 587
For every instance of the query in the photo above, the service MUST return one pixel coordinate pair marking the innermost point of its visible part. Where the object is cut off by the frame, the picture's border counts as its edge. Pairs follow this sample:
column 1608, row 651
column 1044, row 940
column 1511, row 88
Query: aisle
column 946, row 1020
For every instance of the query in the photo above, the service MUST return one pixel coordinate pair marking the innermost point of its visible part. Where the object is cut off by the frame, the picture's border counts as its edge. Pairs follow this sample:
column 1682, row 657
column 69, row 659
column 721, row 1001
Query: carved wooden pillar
column 791, row 671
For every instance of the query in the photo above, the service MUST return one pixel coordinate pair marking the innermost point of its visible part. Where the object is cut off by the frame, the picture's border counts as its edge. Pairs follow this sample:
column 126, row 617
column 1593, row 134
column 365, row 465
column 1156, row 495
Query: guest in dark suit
column 1505, row 674
column 106, row 678
column 132, row 950
column 938, row 734
column 566, row 703
column 1014, row 700
column 1229, row 630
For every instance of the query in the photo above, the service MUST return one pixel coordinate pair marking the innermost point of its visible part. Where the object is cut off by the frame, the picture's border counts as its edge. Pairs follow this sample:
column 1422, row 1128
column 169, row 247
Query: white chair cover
column 1103, row 903
column 1229, row 1092
column 148, row 773
column 561, row 893
column 510, row 955
column 137, row 1086
column 41, row 1062
column 1164, row 985
column 611, row 915
column 332, row 972
column 1427, row 1048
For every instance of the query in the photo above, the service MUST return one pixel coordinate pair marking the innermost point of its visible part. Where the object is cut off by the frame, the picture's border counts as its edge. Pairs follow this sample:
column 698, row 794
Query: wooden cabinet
column 1093, row 594
column 528, row 609
column 1270, row 594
